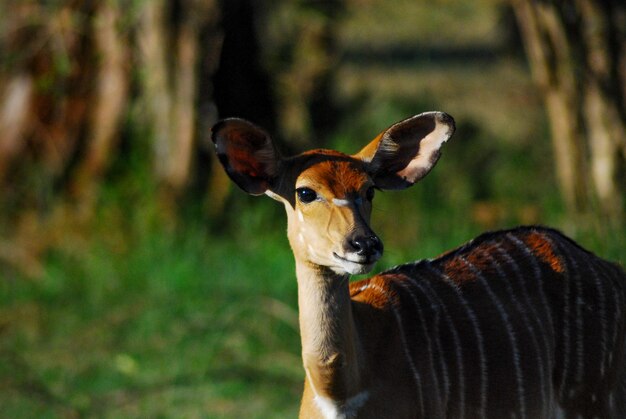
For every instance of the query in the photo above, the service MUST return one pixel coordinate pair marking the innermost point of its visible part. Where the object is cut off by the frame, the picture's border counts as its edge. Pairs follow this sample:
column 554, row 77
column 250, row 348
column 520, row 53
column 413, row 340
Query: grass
column 173, row 327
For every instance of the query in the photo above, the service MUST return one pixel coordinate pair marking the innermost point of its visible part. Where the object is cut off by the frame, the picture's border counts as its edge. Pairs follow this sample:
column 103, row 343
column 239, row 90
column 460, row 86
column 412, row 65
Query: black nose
column 365, row 245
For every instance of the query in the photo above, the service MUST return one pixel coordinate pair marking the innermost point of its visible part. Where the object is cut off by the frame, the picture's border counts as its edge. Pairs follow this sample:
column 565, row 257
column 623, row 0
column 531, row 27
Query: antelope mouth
column 359, row 265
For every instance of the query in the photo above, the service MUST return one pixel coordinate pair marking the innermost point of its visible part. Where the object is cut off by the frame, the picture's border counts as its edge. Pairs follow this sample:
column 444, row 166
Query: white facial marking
column 331, row 410
column 274, row 195
column 300, row 216
column 301, row 238
column 271, row 194
column 341, row 202
column 328, row 408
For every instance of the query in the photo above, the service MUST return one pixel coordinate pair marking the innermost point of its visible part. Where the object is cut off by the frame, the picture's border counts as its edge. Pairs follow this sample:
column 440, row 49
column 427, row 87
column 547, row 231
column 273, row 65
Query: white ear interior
column 429, row 149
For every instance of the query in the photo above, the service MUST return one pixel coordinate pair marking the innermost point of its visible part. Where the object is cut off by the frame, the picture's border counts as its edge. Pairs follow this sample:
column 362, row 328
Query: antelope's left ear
column 405, row 152
column 247, row 154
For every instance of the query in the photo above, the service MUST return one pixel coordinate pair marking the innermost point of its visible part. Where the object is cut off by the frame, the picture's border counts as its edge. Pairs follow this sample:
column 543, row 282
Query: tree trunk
column 306, row 109
column 15, row 115
column 602, row 106
column 68, row 78
column 575, row 50
column 169, row 61
column 108, row 105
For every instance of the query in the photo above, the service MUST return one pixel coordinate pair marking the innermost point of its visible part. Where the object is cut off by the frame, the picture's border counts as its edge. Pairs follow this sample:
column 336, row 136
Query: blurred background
column 136, row 281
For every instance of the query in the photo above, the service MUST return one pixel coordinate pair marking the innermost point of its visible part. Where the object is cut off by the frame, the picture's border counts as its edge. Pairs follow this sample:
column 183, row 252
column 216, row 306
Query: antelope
column 521, row 323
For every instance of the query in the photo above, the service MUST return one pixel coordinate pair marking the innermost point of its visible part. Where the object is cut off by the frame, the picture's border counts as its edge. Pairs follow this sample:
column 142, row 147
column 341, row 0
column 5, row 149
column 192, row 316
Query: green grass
column 178, row 325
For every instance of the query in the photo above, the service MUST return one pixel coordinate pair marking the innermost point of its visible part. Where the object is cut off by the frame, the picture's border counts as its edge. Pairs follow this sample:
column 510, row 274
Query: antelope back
column 523, row 321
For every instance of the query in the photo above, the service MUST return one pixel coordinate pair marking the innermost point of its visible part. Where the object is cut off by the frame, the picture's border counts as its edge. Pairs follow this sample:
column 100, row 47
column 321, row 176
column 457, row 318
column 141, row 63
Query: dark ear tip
column 446, row 119
column 236, row 125
column 221, row 124
column 443, row 119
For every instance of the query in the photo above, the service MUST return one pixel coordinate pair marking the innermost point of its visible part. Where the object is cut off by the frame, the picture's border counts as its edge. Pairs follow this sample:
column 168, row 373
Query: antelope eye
column 306, row 195
column 369, row 194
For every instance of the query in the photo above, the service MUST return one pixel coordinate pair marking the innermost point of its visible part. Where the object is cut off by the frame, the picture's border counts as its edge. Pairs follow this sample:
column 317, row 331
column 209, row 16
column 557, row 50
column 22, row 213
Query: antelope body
column 522, row 323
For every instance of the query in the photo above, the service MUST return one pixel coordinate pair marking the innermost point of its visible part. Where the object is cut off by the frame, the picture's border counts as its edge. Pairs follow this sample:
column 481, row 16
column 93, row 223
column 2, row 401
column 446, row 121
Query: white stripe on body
column 547, row 385
column 479, row 338
column 416, row 375
column 428, row 340
column 510, row 332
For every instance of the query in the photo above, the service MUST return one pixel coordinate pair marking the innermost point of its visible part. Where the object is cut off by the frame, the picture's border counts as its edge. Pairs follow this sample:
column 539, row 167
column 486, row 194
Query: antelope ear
column 405, row 152
column 247, row 154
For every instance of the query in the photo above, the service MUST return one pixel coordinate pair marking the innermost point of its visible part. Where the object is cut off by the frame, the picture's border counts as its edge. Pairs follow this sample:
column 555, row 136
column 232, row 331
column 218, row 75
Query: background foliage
column 135, row 282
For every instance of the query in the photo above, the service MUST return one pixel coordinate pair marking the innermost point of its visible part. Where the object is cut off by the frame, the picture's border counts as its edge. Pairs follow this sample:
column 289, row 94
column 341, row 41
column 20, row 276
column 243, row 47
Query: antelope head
column 327, row 194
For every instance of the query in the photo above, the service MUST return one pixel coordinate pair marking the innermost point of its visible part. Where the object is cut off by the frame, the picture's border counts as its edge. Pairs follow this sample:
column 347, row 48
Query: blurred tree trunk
column 15, row 116
column 243, row 86
column 110, row 90
column 302, row 53
column 70, row 73
column 577, row 53
column 169, row 51
column 66, row 81
column 46, row 73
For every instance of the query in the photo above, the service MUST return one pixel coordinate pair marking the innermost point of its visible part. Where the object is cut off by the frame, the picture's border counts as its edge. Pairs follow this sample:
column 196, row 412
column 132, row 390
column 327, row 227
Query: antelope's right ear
column 247, row 154
column 406, row 151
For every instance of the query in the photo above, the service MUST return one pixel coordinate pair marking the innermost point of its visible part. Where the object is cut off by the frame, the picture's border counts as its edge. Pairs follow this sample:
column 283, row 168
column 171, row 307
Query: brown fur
column 543, row 249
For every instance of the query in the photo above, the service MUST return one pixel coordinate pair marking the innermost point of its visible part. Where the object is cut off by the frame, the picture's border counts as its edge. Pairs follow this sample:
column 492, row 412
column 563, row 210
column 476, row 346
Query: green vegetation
column 147, row 317
column 169, row 324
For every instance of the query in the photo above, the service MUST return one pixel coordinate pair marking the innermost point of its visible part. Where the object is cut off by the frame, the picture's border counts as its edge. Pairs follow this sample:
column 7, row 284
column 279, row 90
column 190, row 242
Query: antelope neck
column 330, row 344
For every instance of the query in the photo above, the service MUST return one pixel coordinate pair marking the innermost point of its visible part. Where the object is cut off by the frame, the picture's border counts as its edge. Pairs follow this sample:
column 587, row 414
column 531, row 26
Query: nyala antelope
column 522, row 323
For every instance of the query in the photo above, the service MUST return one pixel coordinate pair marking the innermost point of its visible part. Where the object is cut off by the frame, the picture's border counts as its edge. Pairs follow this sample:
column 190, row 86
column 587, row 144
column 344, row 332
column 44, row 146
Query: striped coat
column 519, row 323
